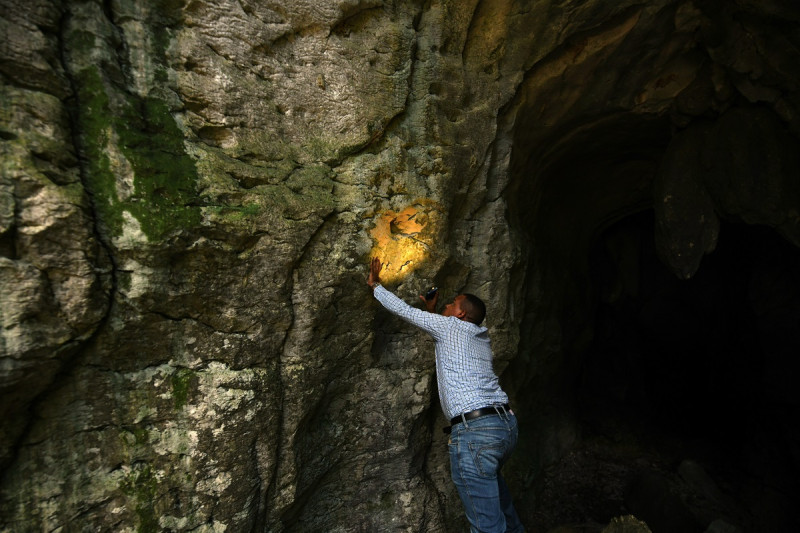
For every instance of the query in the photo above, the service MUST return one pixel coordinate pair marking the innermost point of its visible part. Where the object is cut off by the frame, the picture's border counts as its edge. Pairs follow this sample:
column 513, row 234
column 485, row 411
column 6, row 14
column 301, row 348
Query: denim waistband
column 483, row 411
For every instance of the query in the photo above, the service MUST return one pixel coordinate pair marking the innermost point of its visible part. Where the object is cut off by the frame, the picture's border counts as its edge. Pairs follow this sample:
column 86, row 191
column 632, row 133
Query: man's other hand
column 430, row 305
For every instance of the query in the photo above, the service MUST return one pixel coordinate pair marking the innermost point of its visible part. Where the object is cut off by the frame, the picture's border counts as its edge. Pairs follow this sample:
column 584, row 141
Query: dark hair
column 475, row 309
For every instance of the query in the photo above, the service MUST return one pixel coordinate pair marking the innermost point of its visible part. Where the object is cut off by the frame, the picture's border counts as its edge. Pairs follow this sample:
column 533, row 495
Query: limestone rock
column 626, row 524
column 190, row 192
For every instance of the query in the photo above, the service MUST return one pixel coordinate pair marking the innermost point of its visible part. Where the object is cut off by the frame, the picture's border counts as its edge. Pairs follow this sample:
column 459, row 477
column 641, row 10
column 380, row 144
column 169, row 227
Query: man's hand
column 374, row 272
column 430, row 305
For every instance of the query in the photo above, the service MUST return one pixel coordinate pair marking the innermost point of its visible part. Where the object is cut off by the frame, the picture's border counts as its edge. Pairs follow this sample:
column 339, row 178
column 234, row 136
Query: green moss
column 308, row 177
column 142, row 436
column 141, row 486
column 323, row 149
column 181, row 381
column 280, row 170
column 164, row 176
column 142, row 130
column 387, row 501
column 236, row 213
column 95, row 126
column 124, row 281
column 250, row 210
column 82, row 39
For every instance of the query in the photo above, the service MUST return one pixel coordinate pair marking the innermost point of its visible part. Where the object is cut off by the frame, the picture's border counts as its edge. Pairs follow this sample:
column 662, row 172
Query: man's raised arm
column 428, row 321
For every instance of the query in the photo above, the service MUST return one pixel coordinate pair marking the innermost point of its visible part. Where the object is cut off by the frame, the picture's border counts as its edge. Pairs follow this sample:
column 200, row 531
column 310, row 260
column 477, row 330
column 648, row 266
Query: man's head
column 466, row 307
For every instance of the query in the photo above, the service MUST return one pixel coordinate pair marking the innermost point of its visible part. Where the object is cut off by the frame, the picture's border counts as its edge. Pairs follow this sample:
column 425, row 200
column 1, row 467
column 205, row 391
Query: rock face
column 190, row 192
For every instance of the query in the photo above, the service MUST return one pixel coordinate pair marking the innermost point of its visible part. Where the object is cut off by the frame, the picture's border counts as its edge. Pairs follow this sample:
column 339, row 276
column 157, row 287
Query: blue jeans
column 478, row 449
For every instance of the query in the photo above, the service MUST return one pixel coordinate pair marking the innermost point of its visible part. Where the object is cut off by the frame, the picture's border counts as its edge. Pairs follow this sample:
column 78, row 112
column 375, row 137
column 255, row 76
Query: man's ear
column 461, row 314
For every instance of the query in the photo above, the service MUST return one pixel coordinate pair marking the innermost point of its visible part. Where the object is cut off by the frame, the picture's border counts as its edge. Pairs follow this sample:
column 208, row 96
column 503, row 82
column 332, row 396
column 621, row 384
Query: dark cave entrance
column 673, row 400
column 638, row 391
column 700, row 370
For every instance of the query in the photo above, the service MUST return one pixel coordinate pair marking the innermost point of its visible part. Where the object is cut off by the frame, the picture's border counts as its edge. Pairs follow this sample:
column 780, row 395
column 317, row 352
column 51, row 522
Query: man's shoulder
column 467, row 327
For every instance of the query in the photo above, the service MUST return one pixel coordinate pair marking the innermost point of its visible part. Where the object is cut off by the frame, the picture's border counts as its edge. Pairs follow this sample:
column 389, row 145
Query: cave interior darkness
column 653, row 370
column 706, row 357
column 700, row 369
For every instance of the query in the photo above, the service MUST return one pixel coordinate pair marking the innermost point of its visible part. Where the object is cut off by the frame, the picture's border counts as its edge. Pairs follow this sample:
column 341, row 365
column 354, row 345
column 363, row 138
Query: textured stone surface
column 190, row 191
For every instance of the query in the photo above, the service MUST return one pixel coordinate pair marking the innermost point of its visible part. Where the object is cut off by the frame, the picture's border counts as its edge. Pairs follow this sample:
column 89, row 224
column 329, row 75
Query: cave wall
column 190, row 193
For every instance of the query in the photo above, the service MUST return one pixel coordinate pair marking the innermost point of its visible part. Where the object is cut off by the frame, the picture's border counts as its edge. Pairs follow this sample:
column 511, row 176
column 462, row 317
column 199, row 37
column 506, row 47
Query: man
column 483, row 430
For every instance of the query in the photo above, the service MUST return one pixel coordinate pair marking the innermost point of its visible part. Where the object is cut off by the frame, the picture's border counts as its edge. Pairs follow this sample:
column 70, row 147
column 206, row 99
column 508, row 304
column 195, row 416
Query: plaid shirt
column 463, row 357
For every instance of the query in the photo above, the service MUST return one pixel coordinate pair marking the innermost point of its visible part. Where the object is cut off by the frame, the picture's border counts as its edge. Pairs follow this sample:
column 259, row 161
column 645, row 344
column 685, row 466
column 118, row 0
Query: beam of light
column 398, row 242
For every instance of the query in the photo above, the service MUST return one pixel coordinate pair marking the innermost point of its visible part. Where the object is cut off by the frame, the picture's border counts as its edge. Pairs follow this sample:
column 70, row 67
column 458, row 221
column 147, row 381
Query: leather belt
column 483, row 411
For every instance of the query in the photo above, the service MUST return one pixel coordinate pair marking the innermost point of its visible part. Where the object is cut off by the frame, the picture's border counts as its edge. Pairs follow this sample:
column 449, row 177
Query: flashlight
column 431, row 293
